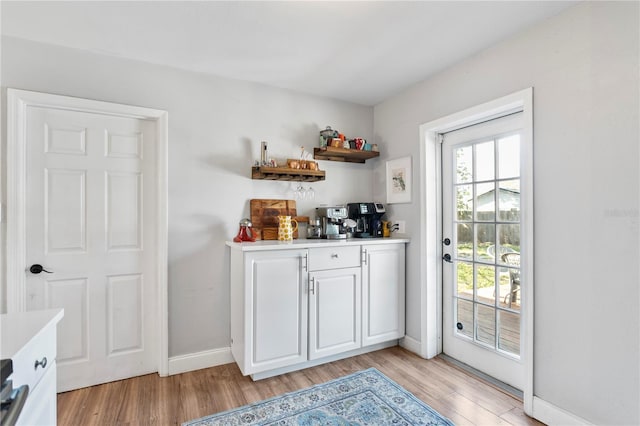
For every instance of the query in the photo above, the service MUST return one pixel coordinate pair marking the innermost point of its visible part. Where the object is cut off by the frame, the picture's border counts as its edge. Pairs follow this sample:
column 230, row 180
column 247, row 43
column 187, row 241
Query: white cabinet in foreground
column 29, row 340
column 302, row 304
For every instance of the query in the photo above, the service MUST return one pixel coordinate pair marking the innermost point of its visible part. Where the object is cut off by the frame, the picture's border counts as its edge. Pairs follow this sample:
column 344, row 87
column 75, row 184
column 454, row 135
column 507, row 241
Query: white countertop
column 308, row 243
column 20, row 327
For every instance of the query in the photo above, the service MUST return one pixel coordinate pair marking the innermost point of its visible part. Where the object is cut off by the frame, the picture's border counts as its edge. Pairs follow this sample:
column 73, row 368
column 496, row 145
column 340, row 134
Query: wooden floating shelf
column 342, row 154
column 286, row 173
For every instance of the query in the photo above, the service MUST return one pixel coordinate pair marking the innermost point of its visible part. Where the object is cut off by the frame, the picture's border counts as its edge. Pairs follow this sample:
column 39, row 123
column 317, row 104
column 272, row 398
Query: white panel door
column 90, row 222
column 335, row 298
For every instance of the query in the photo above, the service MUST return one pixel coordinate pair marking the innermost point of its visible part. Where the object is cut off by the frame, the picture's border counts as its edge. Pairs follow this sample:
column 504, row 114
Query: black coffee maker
column 368, row 217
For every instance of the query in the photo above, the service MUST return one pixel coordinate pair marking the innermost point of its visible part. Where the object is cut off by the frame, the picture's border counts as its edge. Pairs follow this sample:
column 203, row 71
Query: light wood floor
column 151, row 399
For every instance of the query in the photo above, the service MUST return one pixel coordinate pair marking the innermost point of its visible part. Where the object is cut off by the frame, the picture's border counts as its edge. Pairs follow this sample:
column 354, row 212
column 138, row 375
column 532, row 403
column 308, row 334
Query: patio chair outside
column 513, row 260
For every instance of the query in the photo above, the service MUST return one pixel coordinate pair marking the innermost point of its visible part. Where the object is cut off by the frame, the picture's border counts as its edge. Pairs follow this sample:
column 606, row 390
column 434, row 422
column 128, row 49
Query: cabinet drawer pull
column 334, row 255
column 364, row 256
column 42, row 363
column 312, row 286
column 306, row 262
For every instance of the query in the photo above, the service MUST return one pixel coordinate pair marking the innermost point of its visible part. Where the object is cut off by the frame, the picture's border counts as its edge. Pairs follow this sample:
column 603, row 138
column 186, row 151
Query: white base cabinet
column 298, row 304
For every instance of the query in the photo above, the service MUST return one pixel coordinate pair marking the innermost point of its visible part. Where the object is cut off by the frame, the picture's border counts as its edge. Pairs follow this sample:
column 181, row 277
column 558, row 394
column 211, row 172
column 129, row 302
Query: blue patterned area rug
column 364, row 398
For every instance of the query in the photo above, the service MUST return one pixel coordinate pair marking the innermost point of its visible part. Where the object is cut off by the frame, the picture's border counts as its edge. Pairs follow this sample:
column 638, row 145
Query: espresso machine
column 368, row 217
column 331, row 222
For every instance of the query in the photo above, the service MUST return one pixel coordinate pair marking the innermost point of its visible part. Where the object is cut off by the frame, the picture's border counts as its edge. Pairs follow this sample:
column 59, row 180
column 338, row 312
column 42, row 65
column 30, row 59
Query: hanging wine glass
column 311, row 194
column 300, row 192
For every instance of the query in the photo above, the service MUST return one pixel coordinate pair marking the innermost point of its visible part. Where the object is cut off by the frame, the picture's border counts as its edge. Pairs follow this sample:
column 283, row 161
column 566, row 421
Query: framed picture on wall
column 399, row 180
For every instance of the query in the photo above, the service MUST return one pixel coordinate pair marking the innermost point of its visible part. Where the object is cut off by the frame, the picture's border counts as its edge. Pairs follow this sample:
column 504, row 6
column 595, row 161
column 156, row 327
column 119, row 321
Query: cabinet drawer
column 334, row 257
column 41, row 349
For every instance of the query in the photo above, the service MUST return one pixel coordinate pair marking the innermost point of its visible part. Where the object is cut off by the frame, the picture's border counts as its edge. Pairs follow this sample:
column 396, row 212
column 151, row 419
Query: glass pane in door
column 485, row 242
column 509, row 200
column 509, row 156
column 485, row 162
column 508, row 240
column 486, row 325
column 485, row 201
column 509, row 332
column 485, row 284
column 464, row 164
column 464, row 202
column 464, row 274
column 464, row 241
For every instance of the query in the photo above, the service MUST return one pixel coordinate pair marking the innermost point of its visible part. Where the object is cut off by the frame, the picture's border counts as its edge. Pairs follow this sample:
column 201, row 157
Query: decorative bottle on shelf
column 264, row 158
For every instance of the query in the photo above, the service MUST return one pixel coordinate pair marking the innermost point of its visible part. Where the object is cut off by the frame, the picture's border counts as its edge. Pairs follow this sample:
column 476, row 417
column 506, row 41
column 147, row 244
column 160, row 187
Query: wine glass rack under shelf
column 286, row 173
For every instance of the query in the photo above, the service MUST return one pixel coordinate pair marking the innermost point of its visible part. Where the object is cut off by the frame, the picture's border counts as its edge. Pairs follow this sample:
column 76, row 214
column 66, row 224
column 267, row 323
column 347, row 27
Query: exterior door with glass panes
column 481, row 248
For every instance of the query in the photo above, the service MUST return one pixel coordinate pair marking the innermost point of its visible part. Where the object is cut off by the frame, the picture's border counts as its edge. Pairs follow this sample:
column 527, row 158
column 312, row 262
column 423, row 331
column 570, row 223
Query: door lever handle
column 447, row 258
column 36, row 269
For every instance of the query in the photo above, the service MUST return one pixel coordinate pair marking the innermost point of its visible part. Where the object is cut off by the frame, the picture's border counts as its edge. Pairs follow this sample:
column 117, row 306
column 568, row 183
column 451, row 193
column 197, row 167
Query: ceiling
column 362, row 51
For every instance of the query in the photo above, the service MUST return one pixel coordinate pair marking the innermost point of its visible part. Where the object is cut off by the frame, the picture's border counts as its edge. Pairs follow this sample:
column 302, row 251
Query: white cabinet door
column 334, row 311
column 40, row 408
column 383, row 293
column 277, row 307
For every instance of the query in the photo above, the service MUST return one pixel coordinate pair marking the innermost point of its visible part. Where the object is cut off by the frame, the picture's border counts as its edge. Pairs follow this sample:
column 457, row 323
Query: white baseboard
column 196, row 361
column 412, row 345
column 550, row 414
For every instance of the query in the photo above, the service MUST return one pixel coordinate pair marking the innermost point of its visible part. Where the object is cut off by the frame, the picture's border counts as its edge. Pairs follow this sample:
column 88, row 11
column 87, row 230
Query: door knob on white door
column 36, row 269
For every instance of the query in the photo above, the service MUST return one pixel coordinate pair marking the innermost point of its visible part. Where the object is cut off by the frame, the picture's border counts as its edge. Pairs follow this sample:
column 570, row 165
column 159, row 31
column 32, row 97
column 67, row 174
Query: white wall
column 215, row 129
column 583, row 66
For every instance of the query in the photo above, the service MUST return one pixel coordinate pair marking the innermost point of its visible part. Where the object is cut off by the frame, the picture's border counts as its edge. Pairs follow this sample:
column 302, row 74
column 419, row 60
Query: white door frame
column 17, row 103
column 431, row 223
